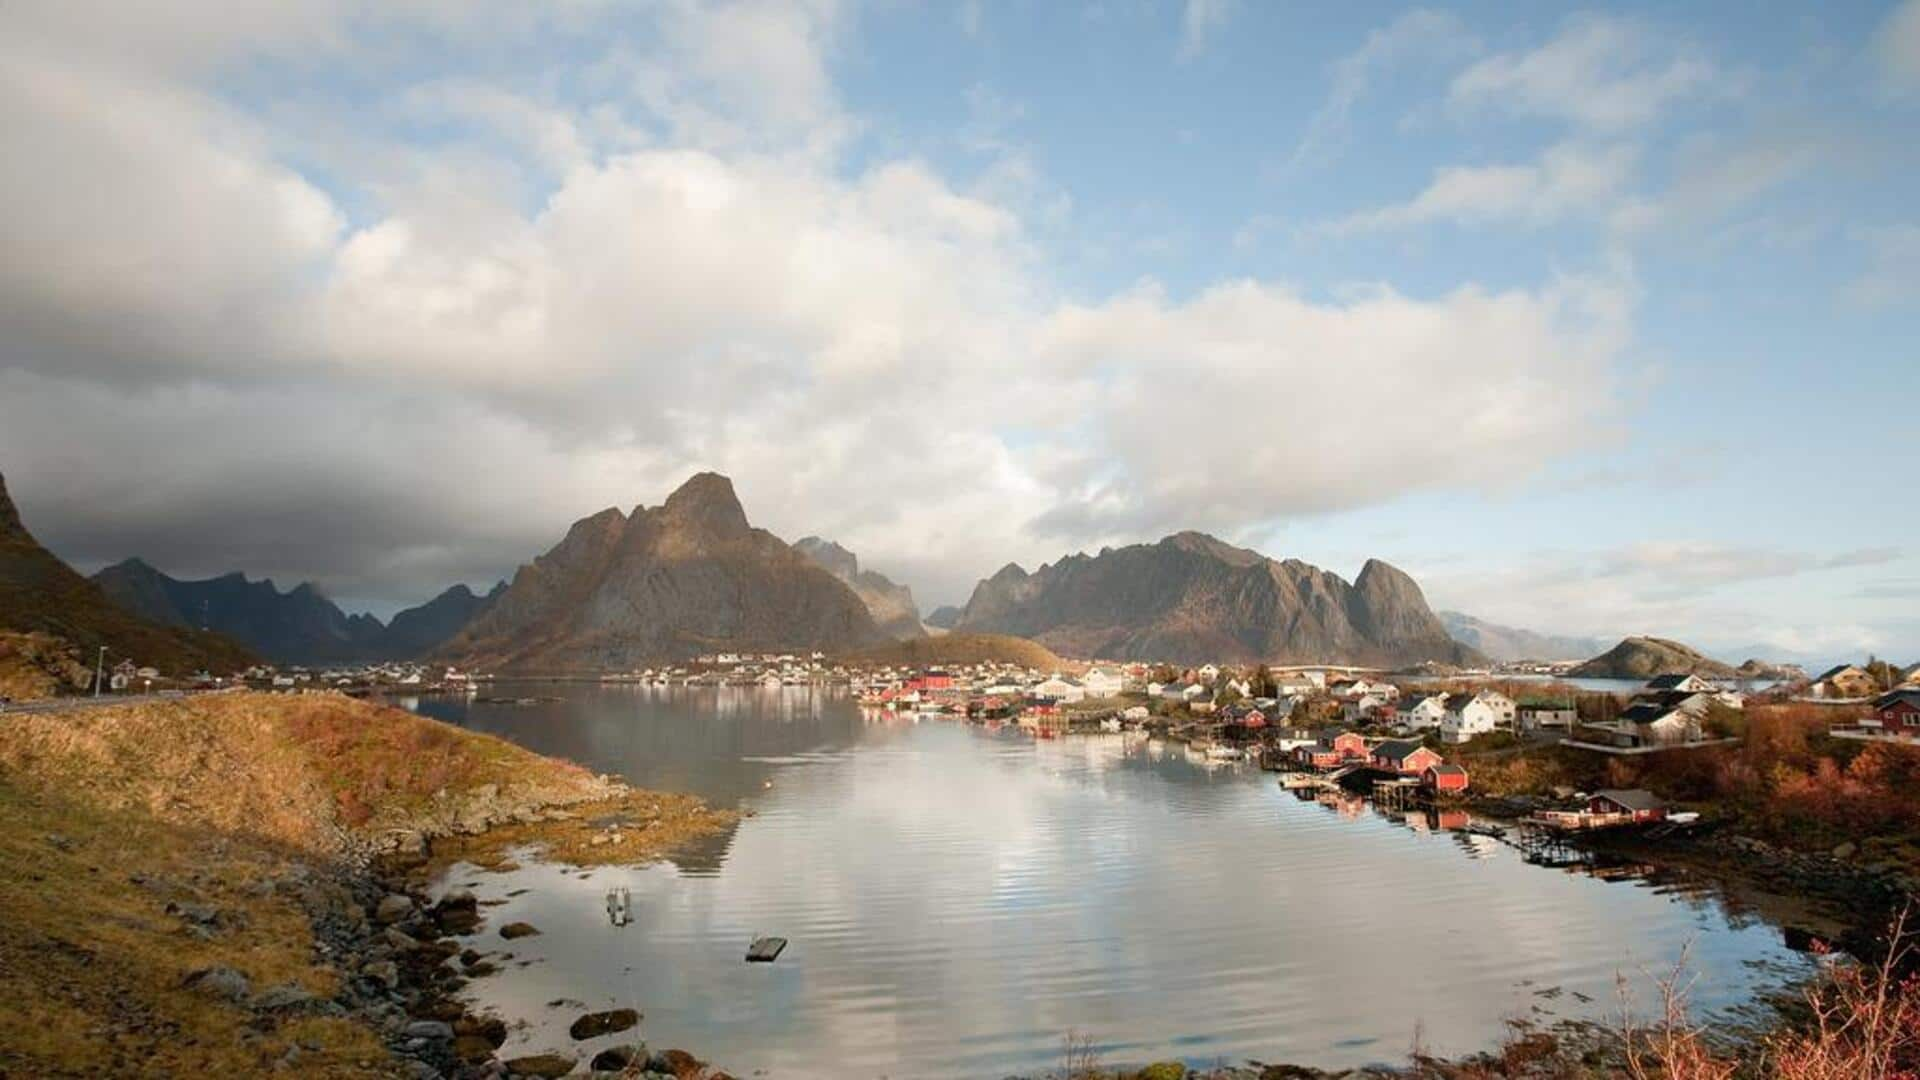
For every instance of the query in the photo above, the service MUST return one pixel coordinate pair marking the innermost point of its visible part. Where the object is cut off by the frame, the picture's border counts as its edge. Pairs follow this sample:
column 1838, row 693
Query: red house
column 1403, row 757
column 1333, row 750
column 1640, row 806
column 1897, row 713
column 1445, row 779
column 1254, row 719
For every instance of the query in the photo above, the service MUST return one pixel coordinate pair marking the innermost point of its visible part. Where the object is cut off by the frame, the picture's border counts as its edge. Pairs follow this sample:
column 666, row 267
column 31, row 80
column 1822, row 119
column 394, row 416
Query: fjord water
column 959, row 900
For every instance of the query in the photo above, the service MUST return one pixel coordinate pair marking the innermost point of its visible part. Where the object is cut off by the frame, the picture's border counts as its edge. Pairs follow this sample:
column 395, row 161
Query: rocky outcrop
column 663, row 583
column 1192, row 598
column 1507, row 643
column 1646, row 657
column 891, row 605
column 41, row 594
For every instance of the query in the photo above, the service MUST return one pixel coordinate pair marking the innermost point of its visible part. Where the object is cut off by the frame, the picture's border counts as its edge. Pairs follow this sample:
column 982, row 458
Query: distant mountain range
column 1506, row 643
column 1192, row 598
column 687, row 577
column 41, row 594
column 944, row 617
column 300, row 626
column 890, row 605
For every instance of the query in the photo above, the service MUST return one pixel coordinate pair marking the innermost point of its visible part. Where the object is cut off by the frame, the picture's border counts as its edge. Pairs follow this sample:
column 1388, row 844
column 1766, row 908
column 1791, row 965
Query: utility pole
column 99, row 667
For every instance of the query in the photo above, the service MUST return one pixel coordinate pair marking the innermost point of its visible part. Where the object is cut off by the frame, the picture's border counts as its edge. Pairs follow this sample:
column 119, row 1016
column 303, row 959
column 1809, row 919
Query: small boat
column 1226, row 753
column 765, row 950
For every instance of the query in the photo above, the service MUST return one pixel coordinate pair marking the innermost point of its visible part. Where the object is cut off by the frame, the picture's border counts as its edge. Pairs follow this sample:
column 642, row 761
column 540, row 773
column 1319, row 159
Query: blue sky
column 1598, row 320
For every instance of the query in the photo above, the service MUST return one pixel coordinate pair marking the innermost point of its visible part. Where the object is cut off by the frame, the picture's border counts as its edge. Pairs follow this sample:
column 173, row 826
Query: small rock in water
column 434, row 1030
column 594, row 1025
column 518, row 930
column 548, row 1065
column 620, row 1058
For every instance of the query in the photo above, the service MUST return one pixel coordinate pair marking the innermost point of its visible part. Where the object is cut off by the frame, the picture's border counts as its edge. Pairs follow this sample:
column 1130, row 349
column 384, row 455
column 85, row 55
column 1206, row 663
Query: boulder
column 491, row 1028
column 221, row 982
column 595, row 1024
column 286, row 997
column 432, row 1030
column 620, row 1058
column 673, row 1063
column 384, row 972
column 392, row 908
column 518, row 930
column 472, row 1049
column 547, row 1065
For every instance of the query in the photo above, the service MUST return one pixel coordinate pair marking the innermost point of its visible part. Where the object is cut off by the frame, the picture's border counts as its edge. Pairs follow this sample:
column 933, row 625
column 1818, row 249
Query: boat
column 1226, row 753
column 765, row 950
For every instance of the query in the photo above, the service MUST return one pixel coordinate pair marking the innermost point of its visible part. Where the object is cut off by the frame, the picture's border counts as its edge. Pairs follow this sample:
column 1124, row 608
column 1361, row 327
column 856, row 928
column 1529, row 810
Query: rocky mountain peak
column 707, row 502
column 9, row 516
column 841, row 562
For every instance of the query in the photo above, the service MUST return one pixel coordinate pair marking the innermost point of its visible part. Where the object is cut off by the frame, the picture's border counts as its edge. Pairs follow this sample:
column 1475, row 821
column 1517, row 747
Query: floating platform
column 765, row 950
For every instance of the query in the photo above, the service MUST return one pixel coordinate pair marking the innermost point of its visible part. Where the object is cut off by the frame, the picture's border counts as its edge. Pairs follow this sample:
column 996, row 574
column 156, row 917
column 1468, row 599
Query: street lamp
column 99, row 667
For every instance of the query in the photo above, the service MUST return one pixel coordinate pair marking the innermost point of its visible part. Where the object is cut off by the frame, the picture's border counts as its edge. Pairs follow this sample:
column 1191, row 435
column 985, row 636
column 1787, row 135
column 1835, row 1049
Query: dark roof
column 1667, row 682
column 1644, row 712
column 1892, row 697
column 1631, row 798
column 1396, row 749
column 1444, row 769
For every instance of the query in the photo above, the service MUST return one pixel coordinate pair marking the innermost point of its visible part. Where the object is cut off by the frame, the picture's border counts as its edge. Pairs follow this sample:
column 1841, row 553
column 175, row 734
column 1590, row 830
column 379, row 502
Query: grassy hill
column 966, row 649
column 1646, row 657
column 40, row 594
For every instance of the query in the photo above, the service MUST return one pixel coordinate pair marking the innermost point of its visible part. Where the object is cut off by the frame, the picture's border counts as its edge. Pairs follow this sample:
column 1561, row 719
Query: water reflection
column 958, row 898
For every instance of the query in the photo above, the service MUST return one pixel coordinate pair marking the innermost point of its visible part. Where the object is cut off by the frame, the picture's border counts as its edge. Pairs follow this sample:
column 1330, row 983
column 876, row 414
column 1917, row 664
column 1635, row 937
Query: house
column 1058, row 690
column 1476, row 715
column 1540, row 717
column 1403, row 757
column 1333, row 749
column 1425, row 711
column 1100, row 682
column 1208, row 673
column 1658, row 722
column 1254, row 718
column 1691, row 684
column 1445, row 779
column 1290, row 739
column 1364, row 707
column 122, row 675
column 1193, row 692
column 1640, row 806
column 1895, row 713
column 1844, row 681
column 1362, row 687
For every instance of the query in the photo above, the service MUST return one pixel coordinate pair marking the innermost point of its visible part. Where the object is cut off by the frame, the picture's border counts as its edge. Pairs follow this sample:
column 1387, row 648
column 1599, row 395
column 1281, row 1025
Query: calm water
column 957, row 900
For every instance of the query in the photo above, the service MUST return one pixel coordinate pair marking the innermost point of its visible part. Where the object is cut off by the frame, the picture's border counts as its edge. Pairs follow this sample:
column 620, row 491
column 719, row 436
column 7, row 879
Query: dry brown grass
column 35, row 666
column 643, row 826
column 292, row 769
column 91, row 965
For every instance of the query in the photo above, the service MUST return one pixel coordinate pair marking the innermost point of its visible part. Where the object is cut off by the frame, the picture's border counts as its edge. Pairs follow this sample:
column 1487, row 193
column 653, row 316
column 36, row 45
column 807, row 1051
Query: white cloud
column 1569, row 180
column 1605, row 73
column 1898, row 45
column 1200, row 21
column 1418, row 35
column 562, row 302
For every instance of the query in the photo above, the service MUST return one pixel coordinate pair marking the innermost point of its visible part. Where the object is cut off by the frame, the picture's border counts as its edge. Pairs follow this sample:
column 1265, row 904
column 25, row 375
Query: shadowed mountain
column 1503, row 643
column 300, row 626
column 1192, row 598
column 687, row 577
column 890, row 605
column 41, row 594
column 944, row 617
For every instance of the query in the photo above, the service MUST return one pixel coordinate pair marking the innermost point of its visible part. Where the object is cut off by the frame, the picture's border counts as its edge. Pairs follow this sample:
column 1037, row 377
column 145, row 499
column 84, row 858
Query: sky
column 1597, row 320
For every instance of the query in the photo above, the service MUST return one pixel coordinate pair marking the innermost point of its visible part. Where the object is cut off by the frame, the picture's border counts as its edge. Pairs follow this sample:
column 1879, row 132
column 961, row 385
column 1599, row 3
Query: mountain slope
column 686, row 577
column 1510, row 643
column 1192, row 598
column 418, row 631
column 944, row 617
column 1645, row 657
column 41, row 594
column 958, row 649
column 890, row 605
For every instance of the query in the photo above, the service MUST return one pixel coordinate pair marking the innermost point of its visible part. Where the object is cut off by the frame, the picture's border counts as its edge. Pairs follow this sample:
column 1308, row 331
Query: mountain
column 299, row 626
column 890, row 605
column 956, row 649
column 1191, row 598
column 1645, row 657
column 670, row 582
column 418, row 631
column 1503, row 643
column 944, row 617
column 41, row 594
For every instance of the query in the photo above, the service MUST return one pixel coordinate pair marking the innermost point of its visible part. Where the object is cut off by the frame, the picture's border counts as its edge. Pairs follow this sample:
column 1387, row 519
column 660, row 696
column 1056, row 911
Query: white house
column 1476, row 715
column 1061, row 690
column 1688, row 684
column 1208, row 673
column 1426, row 711
column 1100, row 682
column 1362, row 687
column 1362, row 707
